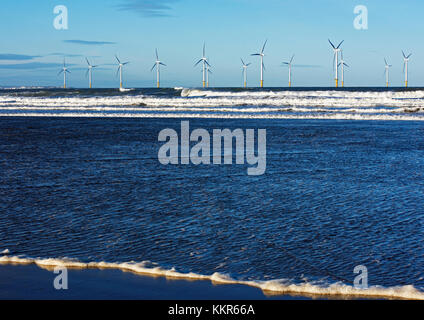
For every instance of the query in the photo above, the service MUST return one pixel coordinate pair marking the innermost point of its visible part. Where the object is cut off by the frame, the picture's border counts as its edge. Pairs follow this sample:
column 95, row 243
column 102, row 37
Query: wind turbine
column 90, row 72
column 342, row 64
column 245, row 72
column 336, row 60
column 290, row 64
column 65, row 71
column 261, row 54
column 405, row 66
column 387, row 67
column 204, row 60
column 208, row 71
column 157, row 65
column 120, row 66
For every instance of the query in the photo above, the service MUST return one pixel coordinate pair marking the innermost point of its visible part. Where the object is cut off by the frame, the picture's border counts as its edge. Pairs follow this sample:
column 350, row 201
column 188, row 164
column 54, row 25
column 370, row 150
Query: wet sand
column 32, row 282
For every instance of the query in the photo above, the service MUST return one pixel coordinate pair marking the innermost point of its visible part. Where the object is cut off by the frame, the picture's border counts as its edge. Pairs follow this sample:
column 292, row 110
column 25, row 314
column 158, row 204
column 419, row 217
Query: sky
column 32, row 49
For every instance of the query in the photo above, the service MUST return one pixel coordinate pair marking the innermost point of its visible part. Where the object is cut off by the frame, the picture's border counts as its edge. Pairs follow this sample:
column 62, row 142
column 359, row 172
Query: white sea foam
column 280, row 286
column 333, row 116
column 372, row 105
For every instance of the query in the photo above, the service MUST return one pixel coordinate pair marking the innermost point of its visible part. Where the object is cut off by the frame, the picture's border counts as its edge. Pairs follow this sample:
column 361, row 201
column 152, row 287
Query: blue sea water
column 337, row 193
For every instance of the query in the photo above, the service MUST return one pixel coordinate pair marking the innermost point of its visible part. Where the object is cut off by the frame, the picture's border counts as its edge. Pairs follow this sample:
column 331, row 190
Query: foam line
column 281, row 286
column 324, row 116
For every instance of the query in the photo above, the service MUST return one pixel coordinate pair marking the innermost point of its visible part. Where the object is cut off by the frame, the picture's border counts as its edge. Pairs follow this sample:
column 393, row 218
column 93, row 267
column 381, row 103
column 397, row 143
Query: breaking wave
column 235, row 103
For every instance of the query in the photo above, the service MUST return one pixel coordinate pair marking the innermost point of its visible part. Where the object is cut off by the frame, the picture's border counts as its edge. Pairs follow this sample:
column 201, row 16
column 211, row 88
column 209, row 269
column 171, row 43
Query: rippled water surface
column 336, row 194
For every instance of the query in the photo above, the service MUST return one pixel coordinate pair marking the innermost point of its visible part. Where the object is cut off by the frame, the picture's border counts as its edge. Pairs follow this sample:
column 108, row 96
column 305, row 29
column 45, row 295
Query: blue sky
column 32, row 50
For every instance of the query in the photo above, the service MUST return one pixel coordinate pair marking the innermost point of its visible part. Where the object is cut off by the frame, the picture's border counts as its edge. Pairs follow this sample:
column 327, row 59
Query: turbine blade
column 87, row 62
column 331, row 44
column 242, row 61
column 404, row 55
column 125, row 63
column 163, row 64
column 204, row 49
column 117, row 71
column 385, row 61
column 198, row 62
column 153, row 67
column 157, row 56
column 255, row 54
column 409, row 56
column 340, row 44
column 263, row 48
column 207, row 63
column 86, row 73
column 291, row 60
column 60, row 72
column 117, row 59
column 248, row 64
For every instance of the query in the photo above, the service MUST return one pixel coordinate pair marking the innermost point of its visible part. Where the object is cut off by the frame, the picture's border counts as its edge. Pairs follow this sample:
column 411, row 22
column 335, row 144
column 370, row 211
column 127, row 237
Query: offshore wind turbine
column 244, row 72
column 208, row 71
column 120, row 67
column 157, row 65
column 405, row 66
column 261, row 54
column 342, row 64
column 336, row 60
column 89, row 72
column 65, row 71
column 387, row 67
column 290, row 64
column 205, row 62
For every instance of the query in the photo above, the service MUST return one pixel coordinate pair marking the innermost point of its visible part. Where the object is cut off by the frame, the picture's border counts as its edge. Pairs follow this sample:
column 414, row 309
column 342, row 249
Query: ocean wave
column 223, row 115
column 200, row 98
column 278, row 286
column 318, row 104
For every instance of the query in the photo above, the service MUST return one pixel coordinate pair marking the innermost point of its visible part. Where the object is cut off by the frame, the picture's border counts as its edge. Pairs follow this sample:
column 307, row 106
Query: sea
column 342, row 196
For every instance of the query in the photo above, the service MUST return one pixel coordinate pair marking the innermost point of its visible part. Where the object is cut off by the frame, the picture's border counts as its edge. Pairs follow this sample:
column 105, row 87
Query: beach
column 31, row 282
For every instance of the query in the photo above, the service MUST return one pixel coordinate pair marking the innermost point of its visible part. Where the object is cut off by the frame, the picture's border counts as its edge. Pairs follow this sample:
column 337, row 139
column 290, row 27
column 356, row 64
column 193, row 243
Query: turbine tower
column 290, row 64
column 387, row 67
column 336, row 60
column 89, row 73
column 405, row 66
column 261, row 54
column 157, row 65
column 208, row 71
column 65, row 71
column 342, row 64
column 204, row 60
column 120, row 66
column 244, row 72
